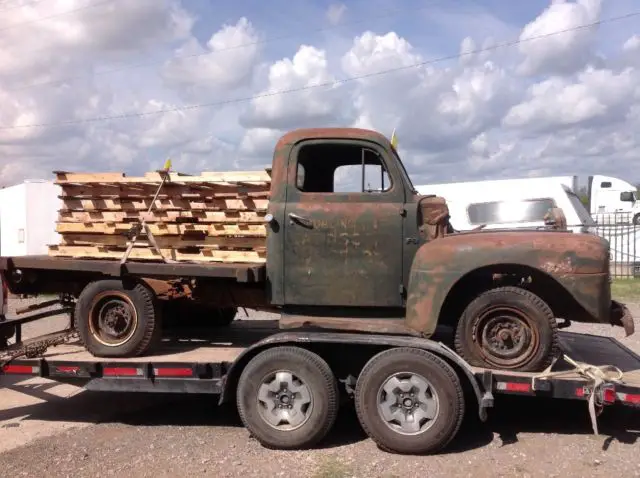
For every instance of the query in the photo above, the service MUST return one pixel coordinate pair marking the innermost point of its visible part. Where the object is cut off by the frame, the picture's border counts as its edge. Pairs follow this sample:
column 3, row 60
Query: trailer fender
column 577, row 262
column 230, row 379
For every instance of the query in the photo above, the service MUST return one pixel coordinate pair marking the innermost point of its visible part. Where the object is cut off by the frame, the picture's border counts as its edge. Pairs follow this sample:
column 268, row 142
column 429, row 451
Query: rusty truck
column 363, row 280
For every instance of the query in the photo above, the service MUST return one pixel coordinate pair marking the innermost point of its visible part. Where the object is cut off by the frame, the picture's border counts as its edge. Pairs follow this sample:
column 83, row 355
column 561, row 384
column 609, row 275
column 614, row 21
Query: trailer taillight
column 609, row 395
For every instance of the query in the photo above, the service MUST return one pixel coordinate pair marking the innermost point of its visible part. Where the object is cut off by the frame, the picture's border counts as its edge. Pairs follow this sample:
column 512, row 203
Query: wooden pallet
column 225, row 217
column 196, row 255
column 194, row 217
column 164, row 229
column 166, row 242
column 164, row 204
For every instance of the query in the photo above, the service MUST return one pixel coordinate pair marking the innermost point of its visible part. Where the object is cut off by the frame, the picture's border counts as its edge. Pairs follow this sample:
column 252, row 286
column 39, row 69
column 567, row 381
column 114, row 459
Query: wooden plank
column 152, row 178
column 163, row 216
column 66, row 176
column 202, row 255
column 162, row 229
column 93, row 191
column 243, row 176
column 168, row 242
column 125, row 204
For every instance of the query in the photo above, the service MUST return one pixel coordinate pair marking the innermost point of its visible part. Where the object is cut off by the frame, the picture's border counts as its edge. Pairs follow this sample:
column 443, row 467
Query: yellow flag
column 394, row 139
column 167, row 165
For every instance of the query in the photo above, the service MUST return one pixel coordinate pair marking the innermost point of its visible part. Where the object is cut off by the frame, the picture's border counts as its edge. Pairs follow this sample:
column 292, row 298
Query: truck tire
column 287, row 398
column 114, row 320
column 409, row 401
column 507, row 328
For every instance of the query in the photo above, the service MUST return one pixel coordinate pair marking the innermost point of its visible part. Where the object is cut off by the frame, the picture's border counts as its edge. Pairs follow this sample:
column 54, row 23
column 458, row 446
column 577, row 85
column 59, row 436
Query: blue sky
column 564, row 105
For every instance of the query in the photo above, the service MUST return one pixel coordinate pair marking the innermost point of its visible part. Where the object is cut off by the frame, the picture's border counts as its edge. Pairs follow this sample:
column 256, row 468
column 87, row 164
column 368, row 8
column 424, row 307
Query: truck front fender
column 577, row 262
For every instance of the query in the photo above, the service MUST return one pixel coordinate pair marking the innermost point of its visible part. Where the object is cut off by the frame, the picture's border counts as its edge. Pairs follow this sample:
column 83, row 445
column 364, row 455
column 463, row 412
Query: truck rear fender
column 571, row 266
column 315, row 340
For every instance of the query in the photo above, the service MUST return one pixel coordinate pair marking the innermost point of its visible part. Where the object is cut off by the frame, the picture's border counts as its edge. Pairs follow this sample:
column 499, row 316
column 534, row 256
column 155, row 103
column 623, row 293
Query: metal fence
column 622, row 234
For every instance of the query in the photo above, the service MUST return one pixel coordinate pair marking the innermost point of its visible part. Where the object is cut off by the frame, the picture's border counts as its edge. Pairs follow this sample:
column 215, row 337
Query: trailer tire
column 296, row 374
column 503, row 317
column 104, row 305
column 420, row 386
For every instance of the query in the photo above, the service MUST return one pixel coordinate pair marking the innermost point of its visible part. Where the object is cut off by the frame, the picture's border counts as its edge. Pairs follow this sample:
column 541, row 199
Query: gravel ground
column 47, row 429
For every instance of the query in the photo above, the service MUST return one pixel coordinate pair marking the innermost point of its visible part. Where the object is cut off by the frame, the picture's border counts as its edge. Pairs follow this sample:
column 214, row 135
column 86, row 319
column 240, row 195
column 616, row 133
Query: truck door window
column 341, row 168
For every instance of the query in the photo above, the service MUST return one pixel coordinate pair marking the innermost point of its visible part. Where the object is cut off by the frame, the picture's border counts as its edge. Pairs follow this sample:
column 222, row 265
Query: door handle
column 303, row 221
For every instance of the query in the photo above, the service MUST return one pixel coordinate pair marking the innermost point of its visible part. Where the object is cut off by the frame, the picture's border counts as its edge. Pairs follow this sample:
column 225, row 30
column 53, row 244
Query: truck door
column 343, row 226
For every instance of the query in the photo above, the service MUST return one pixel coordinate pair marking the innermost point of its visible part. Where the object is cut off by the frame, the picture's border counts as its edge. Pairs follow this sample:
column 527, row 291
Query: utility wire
column 130, row 66
column 320, row 85
column 15, row 7
column 55, row 15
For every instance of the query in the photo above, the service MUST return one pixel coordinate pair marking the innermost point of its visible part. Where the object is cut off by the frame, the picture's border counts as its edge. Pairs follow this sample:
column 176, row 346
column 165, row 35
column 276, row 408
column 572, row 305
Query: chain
column 38, row 347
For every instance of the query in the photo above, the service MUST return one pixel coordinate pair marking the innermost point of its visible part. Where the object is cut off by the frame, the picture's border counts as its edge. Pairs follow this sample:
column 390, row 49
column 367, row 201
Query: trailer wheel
column 287, row 398
column 507, row 328
column 409, row 401
column 117, row 321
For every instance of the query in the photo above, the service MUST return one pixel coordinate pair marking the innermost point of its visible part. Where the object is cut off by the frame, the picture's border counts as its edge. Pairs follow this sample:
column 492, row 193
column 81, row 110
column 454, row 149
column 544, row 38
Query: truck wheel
column 287, row 398
column 117, row 321
column 507, row 328
column 409, row 401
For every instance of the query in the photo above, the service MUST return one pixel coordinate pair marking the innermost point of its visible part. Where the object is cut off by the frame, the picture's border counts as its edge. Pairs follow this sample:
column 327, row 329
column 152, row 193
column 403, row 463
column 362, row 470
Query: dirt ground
column 48, row 429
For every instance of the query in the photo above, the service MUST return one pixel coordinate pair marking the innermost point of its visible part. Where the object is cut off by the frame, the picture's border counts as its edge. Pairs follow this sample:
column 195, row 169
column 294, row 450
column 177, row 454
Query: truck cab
column 342, row 228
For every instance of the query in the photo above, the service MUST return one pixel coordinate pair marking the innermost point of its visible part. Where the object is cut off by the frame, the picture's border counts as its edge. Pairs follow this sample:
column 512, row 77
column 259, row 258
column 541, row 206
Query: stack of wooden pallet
column 210, row 217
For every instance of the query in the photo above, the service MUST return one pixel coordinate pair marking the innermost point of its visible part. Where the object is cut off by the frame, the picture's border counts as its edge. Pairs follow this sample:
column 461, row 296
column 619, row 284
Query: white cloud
column 601, row 95
column 308, row 105
column 226, row 63
column 632, row 43
column 563, row 53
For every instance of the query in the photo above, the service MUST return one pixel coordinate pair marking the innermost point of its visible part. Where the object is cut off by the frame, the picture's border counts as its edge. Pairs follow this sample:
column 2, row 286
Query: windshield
column 583, row 214
column 404, row 172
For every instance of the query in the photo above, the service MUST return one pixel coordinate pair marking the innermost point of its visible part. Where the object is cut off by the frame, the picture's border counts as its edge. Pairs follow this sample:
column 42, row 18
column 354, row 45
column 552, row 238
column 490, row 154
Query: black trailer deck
column 201, row 365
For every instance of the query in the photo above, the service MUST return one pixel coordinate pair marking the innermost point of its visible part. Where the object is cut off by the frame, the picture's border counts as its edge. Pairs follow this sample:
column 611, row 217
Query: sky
column 476, row 89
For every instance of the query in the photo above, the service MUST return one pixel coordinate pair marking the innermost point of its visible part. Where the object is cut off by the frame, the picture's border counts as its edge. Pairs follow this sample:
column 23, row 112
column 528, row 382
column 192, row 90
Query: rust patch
column 578, row 262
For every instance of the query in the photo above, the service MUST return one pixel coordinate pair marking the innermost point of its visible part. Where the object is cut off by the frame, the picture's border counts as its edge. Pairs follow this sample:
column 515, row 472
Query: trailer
column 410, row 394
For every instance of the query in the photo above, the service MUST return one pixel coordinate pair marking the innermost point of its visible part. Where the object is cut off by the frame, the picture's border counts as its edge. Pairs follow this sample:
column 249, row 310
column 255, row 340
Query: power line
column 55, row 15
column 130, row 66
column 141, row 114
column 15, row 7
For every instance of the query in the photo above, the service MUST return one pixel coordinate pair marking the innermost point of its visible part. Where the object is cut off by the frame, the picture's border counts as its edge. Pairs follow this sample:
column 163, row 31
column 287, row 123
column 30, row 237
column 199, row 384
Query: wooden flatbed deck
column 242, row 272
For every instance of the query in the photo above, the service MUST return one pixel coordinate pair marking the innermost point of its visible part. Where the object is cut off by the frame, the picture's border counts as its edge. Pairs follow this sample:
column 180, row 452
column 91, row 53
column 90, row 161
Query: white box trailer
column 28, row 214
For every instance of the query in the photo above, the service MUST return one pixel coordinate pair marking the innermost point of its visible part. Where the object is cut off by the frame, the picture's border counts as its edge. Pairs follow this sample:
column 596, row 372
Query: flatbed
column 241, row 272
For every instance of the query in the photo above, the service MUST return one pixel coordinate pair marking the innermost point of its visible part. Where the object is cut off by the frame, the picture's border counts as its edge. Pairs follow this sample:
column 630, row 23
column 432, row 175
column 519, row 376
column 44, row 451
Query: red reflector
column 630, row 398
column 19, row 369
column 173, row 372
column 580, row 392
column 517, row 387
column 122, row 371
column 609, row 395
